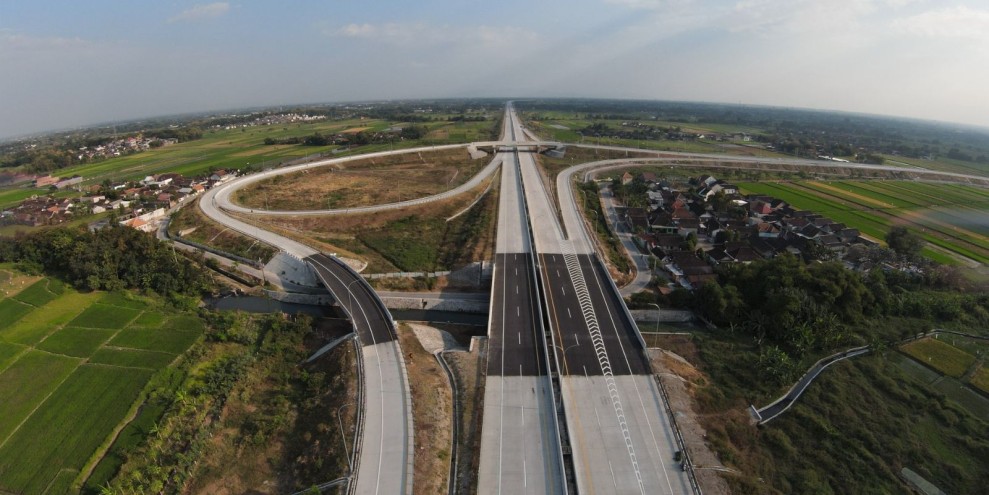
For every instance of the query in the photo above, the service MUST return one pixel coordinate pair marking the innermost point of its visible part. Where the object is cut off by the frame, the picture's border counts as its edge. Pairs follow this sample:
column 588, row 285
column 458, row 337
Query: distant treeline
column 799, row 132
column 411, row 132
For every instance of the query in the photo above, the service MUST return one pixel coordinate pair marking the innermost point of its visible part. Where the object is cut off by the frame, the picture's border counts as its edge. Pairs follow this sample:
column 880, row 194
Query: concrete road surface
column 520, row 448
column 618, row 428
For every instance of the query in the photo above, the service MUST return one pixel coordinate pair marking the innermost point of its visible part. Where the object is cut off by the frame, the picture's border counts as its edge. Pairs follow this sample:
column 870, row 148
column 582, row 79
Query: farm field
column 947, row 216
column 981, row 379
column 941, row 356
column 63, row 387
column 239, row 148
column 564, row 126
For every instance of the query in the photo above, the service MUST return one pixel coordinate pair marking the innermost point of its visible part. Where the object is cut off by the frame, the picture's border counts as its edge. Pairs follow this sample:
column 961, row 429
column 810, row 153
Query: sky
column 68, row 63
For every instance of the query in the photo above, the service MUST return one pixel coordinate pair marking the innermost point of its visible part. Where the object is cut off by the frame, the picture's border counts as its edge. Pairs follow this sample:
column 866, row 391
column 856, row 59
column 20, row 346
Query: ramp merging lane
column 384, row 464
column 520, row 449
column 619, row 432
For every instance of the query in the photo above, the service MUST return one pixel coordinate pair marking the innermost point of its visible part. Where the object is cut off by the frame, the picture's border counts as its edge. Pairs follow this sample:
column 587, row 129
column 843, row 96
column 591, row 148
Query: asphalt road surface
column 385, row 462
column 621, row 436
column 371, row 320
column 578, row 355
column 514, row 347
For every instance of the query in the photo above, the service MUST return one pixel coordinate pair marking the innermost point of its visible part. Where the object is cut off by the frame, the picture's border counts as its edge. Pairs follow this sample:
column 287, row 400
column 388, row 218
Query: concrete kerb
column 476, row 200
column 328, row 347
column 733, row 162
column 678, row 436
column 359, row 401
column 665, row 397
column 797, row 389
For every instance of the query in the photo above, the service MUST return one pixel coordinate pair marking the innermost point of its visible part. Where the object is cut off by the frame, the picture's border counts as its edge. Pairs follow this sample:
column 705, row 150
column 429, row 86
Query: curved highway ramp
column 384, row 460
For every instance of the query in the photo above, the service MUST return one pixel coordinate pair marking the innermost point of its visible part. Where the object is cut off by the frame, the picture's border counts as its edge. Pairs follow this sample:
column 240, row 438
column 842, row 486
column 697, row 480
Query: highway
column 384, row 465
column 520, row 449
column 621, row 437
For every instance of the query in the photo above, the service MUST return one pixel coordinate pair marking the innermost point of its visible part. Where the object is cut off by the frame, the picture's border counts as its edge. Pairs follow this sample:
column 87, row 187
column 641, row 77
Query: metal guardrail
column 355, row 452
column 678, row 436
column 323, row 486
column 691, row 476
column 818, row 367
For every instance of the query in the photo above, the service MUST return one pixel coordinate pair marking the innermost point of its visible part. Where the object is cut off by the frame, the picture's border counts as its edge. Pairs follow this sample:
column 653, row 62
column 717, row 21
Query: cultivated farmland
column 943, row 357
column 244, row 147
column 74, row 421
column 949, row 217
column 63, row 388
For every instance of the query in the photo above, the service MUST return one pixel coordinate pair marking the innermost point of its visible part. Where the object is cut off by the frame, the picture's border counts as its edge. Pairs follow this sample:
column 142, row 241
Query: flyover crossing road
column 386, row 451
column 520, row 448
column 621, row 437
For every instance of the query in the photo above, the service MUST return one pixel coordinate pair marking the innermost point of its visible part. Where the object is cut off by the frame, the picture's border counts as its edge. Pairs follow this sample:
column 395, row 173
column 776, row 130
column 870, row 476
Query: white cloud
column 201, row 12
column 423, row 34
column 650, row 4
column 957, row 22
column 11, row 41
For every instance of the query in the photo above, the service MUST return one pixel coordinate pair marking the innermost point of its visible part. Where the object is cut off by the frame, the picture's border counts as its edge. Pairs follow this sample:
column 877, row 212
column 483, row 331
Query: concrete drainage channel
column 455, row 436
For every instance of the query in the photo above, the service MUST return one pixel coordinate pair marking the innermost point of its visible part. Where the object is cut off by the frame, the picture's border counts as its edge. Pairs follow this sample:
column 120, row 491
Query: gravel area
column 434, row 340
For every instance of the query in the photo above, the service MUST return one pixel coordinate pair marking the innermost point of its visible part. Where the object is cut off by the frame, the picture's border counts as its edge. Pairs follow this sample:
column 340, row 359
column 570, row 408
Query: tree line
column 794, row 309
column 111, row 258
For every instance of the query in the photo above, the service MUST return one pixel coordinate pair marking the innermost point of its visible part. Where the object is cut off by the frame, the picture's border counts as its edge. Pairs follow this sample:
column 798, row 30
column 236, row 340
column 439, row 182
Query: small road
column 780, row 405
column 640, row 262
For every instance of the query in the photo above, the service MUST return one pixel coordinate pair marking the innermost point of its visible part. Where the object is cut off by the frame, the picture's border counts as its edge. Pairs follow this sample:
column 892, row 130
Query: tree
column 710, row 302
column 904, row 242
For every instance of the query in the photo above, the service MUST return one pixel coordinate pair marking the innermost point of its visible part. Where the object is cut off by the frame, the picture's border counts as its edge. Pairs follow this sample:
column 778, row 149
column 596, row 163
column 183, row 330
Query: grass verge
column 432, row 412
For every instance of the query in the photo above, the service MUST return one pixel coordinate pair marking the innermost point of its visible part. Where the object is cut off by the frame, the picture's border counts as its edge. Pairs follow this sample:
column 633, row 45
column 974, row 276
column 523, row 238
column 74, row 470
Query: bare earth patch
column 432, row 413
column 369, row 181
column 380, row 238
column 680, row 378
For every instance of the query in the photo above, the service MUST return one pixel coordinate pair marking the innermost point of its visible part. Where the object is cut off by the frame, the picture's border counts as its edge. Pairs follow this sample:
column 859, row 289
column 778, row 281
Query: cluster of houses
column 140, row 204
column 695, row 227
column 276, row 119
column 57, row 182
column 121, row 147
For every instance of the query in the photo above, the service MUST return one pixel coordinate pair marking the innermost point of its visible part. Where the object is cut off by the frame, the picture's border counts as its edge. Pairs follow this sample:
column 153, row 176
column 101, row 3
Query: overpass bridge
column 552, row 148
